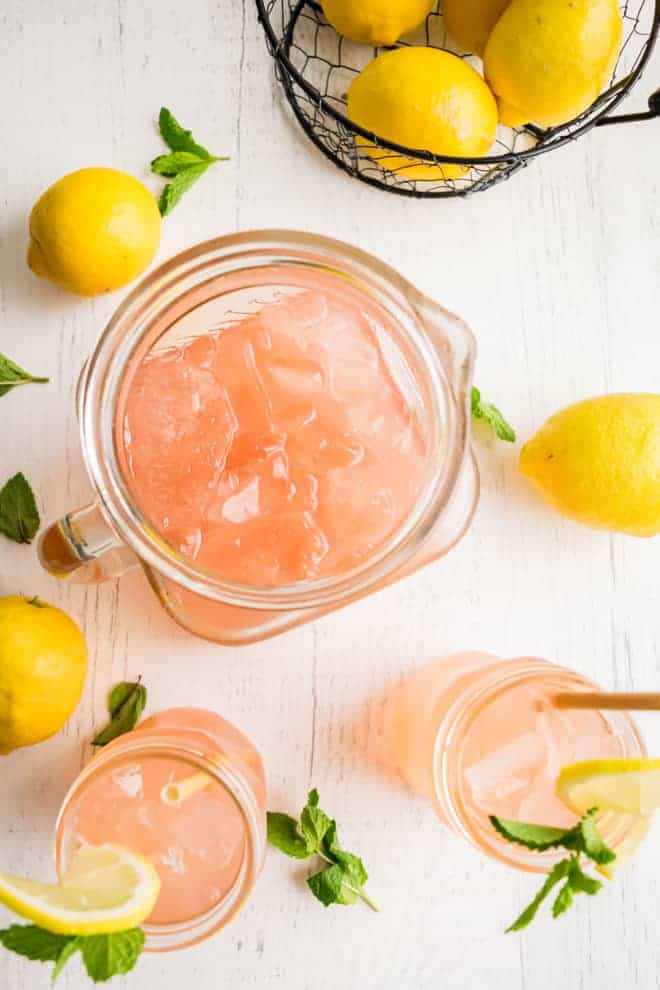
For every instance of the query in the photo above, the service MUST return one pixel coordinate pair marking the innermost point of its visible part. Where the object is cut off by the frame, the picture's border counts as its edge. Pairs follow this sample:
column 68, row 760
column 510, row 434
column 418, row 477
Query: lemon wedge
column 106, row 889
column 629, row 786
column 635, row 835
column 628, row 790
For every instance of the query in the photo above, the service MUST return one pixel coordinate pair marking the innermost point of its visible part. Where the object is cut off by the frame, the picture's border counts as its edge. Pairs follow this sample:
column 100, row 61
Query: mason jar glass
column 207, row 845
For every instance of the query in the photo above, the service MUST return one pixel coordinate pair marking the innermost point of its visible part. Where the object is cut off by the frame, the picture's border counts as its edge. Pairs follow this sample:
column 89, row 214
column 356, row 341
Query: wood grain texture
column 558, row 271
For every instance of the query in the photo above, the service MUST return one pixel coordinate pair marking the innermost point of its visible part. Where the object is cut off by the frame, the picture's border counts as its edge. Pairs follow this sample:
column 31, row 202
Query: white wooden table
column 558, row 271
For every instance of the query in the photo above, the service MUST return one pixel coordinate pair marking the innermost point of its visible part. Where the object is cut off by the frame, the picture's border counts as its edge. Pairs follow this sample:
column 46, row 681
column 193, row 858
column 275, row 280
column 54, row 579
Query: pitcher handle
column 81, row 546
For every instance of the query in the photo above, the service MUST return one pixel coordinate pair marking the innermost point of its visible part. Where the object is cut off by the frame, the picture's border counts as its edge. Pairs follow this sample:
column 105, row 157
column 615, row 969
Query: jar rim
column 169, row 937
column 448, row 778
column 103, row 375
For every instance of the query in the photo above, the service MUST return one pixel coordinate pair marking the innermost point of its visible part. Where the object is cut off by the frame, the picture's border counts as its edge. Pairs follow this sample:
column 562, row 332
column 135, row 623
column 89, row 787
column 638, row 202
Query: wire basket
column 316, row 66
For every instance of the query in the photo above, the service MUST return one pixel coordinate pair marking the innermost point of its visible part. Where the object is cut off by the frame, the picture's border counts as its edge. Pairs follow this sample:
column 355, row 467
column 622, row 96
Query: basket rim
column 545, row 142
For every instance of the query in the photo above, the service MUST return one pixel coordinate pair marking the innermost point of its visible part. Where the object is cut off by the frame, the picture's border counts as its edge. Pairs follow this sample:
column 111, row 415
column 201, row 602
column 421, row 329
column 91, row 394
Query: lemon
column 548, row 60
column 421, row 97
column 43, row 663
column 626, row 793
column 630, row 786
column 469, row 22
column 376, row 22
column 598, row 462
column 93, row 231
column 635, row 829
column 106, row 889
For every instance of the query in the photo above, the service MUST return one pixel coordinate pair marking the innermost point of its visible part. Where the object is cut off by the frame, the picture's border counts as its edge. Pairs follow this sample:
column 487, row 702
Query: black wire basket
column 315, row 66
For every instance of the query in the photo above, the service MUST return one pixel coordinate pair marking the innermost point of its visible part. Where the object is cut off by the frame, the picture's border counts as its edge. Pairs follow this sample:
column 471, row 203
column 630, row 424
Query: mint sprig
column 12, row 375
column 315, row 834
column 104, row 956
column 491, row 415
column 583, row 838
column 186, row 163
column 126, row 702
column 19, row 516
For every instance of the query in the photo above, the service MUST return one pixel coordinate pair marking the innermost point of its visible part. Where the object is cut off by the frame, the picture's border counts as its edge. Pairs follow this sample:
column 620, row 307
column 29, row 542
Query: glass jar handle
column 81, row 546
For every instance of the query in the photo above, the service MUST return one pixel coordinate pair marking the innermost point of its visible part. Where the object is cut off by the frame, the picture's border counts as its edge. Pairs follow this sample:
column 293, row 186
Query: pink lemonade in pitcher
column 275, row 425
column 186, row 790
column 480, row 736
column 278, row 447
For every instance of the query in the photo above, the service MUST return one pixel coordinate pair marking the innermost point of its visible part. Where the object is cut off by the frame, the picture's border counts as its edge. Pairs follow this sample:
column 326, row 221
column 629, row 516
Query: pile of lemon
column 544, row 62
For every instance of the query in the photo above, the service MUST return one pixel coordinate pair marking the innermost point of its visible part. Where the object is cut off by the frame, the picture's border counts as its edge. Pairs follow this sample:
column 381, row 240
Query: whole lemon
column 548, row 60
column 376, row 22
column 469, row 22
column 599, row 462
column 93, row 230
column 422, row 97
column 43, row 663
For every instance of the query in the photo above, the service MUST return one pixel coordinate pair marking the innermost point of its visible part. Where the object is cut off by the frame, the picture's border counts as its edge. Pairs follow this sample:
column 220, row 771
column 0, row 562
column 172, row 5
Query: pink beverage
column 277, row 447
column 207, row 847
column 480, row 736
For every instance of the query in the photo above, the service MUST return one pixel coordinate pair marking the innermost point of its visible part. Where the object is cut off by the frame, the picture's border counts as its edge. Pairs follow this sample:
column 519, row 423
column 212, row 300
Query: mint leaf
column 558, row 872
column 592, row 844
column 125, row 692
column 176, row 137
column 34, row 942
column 492, row 416
column 583, row 837
column 184, row 166
column 39, row 945
column 578, row 882
column 581, row 882
column 178, row 161
column 180, row 184
column 106, row 956
column 12, row 375
column 19, row 516
column 334, row 886
column 563, row 900
column 282, row 831
column 314, row 823
column 539, row 837
column 66, row 952
column 352, row 866
column 126, row 703
column 343, row 879
column 327, row 887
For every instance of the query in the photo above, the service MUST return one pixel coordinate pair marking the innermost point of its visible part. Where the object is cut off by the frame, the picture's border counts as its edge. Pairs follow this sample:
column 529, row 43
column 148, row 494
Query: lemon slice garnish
column 630, row 786
column 106, row 889
column 628, row 789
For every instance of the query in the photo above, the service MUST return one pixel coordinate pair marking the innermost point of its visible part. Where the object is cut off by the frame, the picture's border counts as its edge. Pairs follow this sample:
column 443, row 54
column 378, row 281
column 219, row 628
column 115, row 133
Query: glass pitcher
column 429, row 353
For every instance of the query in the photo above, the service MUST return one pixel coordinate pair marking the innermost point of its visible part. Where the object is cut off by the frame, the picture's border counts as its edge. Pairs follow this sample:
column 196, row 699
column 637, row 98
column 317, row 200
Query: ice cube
column 191, row 543
column 297, row 317
column 181, row 424
column 210, row 827
column 244, row 504
column 358, row 504
column 129, row 781
column 506, row 770
column 172, row 859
